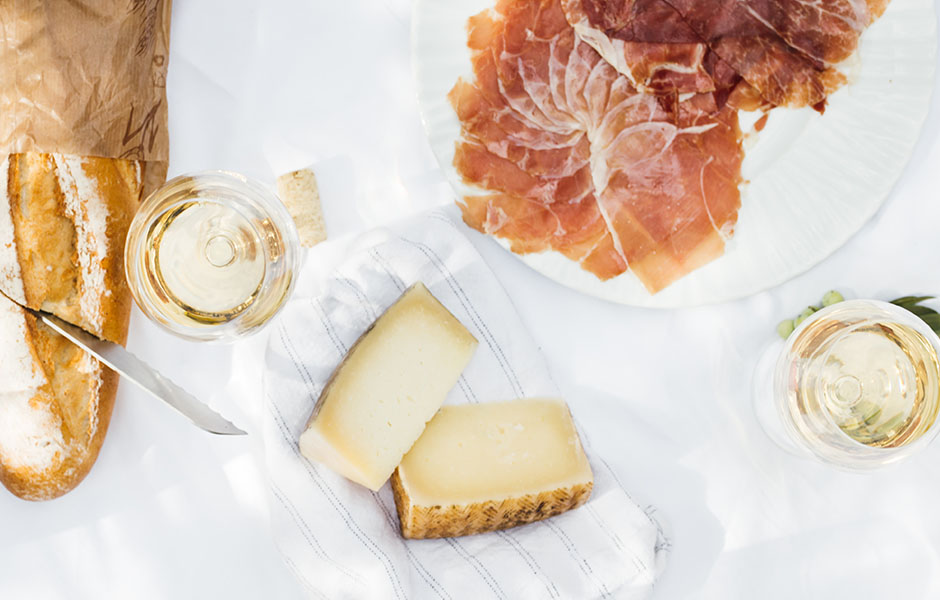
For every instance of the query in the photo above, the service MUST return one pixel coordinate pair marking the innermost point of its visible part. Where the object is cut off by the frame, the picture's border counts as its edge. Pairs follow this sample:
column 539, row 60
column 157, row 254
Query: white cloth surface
column 342, row 539
column 664, row 396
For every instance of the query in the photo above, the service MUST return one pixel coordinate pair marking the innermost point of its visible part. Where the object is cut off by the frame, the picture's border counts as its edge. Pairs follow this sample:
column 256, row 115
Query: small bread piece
column 483, row 467
column 299, row 193
column 388, row 387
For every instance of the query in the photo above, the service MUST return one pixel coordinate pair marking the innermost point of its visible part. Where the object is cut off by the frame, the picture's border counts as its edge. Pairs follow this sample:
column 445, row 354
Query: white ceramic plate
column 814, row 179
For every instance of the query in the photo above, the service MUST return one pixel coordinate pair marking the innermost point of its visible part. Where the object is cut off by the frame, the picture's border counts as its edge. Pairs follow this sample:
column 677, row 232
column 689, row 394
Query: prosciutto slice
column 646, row 40
column 569, row 156
column 786, row 50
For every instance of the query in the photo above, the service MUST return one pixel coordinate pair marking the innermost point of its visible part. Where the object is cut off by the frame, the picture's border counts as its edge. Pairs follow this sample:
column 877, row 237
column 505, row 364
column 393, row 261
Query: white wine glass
column 211, row 256
column 856, row 385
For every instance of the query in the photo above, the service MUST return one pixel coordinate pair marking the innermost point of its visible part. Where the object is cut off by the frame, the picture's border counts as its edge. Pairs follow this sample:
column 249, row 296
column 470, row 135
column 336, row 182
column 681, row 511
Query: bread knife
column 137, row 371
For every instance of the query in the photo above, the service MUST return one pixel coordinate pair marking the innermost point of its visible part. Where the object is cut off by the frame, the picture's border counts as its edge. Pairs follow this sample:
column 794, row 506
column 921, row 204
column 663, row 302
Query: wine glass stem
column 220, row 251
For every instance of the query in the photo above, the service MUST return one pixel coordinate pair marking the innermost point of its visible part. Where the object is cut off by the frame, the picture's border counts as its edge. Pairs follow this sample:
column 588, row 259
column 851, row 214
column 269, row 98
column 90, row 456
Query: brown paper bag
column 86, row 77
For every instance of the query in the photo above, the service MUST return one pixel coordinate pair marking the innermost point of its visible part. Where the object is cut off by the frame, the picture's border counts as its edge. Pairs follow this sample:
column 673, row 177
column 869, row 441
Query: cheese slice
column 482, row 467
column 388, row 387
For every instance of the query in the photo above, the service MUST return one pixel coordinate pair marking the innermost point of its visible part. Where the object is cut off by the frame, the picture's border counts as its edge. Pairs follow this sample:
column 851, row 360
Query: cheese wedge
column 482, row 467
column 388, row 387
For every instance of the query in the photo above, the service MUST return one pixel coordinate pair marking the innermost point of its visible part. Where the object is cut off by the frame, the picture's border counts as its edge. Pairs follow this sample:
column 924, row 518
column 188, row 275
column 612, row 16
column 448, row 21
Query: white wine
column 211, row 255
column 852, row 377
column 208, row 259
column 878, row 383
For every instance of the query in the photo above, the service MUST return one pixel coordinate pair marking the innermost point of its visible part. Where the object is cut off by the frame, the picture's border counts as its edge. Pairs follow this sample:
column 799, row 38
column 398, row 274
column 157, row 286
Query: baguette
column 63, row 221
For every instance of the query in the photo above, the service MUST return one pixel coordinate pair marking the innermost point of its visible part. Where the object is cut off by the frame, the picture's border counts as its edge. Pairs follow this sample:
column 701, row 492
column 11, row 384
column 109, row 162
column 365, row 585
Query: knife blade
column 143, row 375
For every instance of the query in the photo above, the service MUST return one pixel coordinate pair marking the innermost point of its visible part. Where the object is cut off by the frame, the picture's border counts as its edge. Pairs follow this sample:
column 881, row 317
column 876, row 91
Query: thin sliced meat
column 629, row 35
column 573, row 229
column 570, row 157
column 477, row 164
column 781, row 77
column 524, row 57
column 607, row 130
column 671, row 188
column 786, row 50
column 482, row 104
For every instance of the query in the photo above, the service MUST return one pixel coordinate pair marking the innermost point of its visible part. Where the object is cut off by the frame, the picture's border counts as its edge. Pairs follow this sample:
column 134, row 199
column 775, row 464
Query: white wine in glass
column 211, row 255
column 858, row 384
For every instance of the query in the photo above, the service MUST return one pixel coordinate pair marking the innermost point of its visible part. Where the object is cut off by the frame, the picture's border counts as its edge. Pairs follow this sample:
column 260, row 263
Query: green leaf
column 920, row 311
column 928, row 315
column 932, row 320
column 910, row 300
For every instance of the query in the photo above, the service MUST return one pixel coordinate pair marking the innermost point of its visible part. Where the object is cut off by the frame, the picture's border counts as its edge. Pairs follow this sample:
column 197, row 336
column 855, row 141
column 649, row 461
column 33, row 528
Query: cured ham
column 607, row 130
column 570, row 157
column 646, row 40
column 786, row 50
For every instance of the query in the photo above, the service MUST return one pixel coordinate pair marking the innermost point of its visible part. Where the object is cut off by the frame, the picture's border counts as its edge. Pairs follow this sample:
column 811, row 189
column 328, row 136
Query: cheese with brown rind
column 387, row 388
column 484, row 467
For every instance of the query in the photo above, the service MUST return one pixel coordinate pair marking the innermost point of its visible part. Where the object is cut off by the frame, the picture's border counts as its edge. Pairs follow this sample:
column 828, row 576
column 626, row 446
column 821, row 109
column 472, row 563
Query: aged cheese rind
column 387, row 388
column 484, row 467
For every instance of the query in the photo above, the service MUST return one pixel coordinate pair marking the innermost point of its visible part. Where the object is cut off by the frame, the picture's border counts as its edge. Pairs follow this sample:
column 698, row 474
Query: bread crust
column 49, row 240
column 80, row 405
column 66, row 411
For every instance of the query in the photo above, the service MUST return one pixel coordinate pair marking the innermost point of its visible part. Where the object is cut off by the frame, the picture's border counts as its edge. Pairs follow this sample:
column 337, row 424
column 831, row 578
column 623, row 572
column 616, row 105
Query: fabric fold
column 342, row 540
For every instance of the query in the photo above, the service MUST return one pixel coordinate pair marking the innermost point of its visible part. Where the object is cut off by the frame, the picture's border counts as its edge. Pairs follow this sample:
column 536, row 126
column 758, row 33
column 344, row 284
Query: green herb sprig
column 913, row 304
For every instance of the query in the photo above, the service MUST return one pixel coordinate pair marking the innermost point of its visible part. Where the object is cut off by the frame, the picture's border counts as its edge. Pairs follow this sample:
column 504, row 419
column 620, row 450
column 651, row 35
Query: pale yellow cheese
column 481, row 467
column 387, row 388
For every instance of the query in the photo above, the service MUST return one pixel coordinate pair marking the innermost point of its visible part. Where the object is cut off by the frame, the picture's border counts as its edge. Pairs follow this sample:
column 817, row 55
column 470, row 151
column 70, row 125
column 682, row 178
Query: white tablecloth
column 262, row 87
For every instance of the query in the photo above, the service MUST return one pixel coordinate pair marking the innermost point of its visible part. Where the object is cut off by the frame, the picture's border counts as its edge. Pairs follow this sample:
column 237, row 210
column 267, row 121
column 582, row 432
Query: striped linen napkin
column 341, row 539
